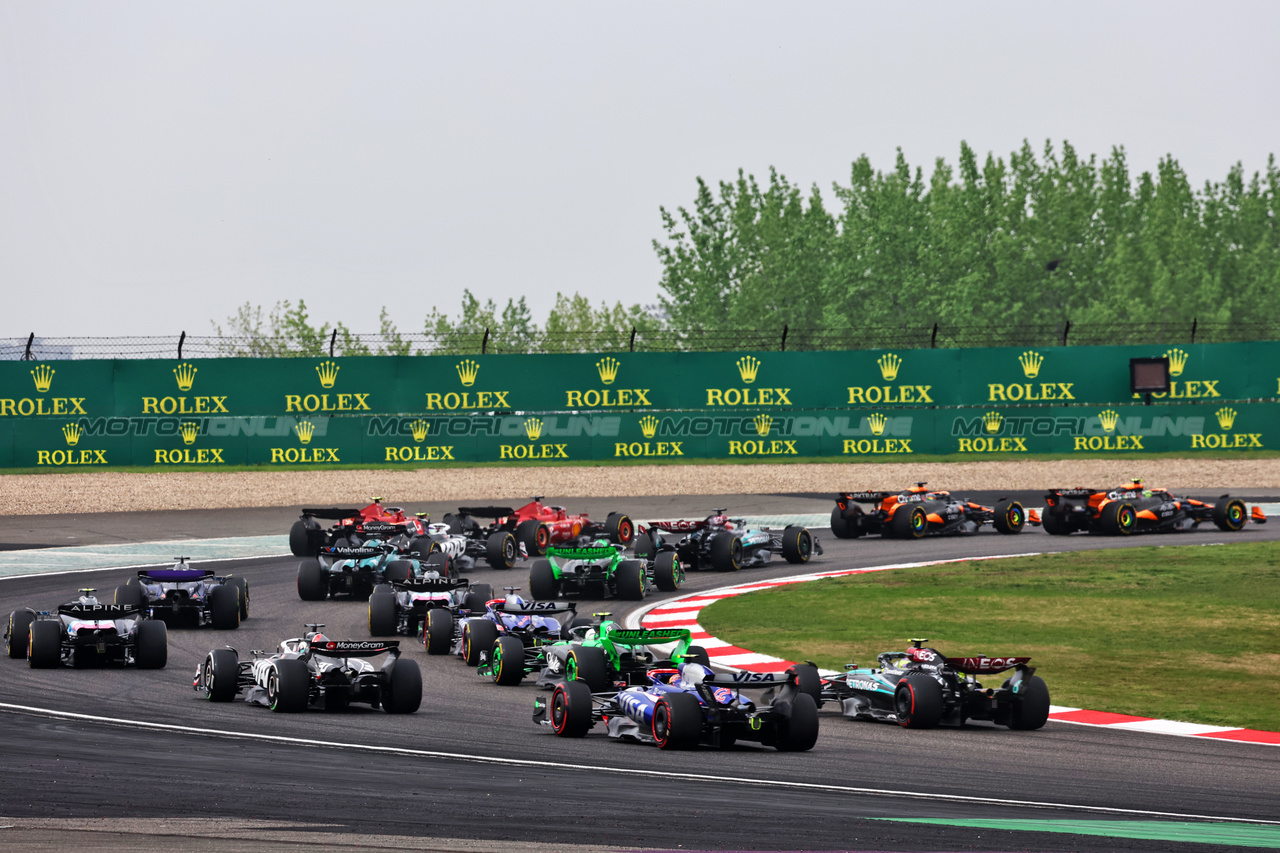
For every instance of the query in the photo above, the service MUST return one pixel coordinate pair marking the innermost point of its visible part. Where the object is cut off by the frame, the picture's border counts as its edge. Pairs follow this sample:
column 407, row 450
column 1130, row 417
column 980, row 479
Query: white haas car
column 315, row 670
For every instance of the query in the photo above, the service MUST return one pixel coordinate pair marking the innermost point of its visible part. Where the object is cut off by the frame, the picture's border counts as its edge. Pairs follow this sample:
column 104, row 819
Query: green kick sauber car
column 598, row 569
column 609, row 656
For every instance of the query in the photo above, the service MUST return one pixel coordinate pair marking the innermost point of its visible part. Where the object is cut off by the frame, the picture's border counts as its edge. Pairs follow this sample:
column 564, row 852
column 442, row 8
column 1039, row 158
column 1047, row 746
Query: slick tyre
column 588, row 665
column 311, row 580
column 1118, row 519
column 1031, row 708
column 403, row 691
column 44, row 645
column 442, row 564
column 843, row 528
column 152, row 644
column 726, row 552
column 478, row 637
column 667, row 572
column 300, row 540
column 478, row 595
column 288, row 686
column 437, row 633
column 619, row 528
column 500, row 550
column 130, row 593
column 677, row 721
column 508, row 661
column 382, row 614
column 397, row 571
column 542, row 581
column 220, row 675
column 909, row 522
column 535, row 537
column 647, row 544
column 571, row 709
column 241, row 584
column 809, row 682
column 799, row 732
column 797, row 545
column 631, row 580
column 918, row 701
column 1230, row 515
column 19, row 633
column 224, row 607
column 1010, row 517
column 1054, row 524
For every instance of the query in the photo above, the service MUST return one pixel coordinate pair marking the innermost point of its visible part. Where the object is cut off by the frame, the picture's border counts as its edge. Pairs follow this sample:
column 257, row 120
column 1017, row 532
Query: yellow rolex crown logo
column 877, row 422
column 763, row 423
column 992, row 421
column 328, row 373
column 889, row 364
column 533, row 428
column 1226, row 417
column 1109, row 418
column 1031, row 362
column 419, row 429
column 748, row 366
column 467, row 370
column 1177, row 361
column 43, row 375
column 185, row 373
column 608, row 368
column 304, row 429
column 72, row 433
column 189, row 431
column 649, row 426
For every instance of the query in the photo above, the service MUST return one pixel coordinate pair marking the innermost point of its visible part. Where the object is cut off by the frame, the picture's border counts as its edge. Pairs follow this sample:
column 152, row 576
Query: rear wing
column 106, row 611
column 349, row 553
column 984, row 665
column 865, row 497
column 385, row 526
column 750, row 680
column 593, row 553
column 679, row 526
column 355, row 648
column 1073, row 493
column 331, row 513
column 432, row 584
column 175, row 575
column 646, row 636
column 487, row 511
column 537, row 608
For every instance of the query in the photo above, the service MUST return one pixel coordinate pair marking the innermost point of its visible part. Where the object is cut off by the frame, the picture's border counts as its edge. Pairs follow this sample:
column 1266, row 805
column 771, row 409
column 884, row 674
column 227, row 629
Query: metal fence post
column 784, row 337
column 181, row 340
column 333, row 340
column 27, row 355
column 633, row 338
column 484, row 344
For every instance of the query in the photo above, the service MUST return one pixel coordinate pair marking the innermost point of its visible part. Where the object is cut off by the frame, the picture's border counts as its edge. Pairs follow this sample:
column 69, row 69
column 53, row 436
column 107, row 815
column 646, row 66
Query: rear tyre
column 397, row 571
column 130, row 594
column 534, row 536
column 478, row 595
column 454, row 522
column 843, row 528
column 382, row 614
column 442, row 564
column 224, row 607
column 647, row 545
column 500, row 550
column 918, row 701
column 697, row 654
column 631, row 580
column 726, row 552
column 152, row 644
column 437, row 635
column 909, row 523
column 1010, row 517
column 809, row 682
column 587, row 664
column 508, row 661
column 288, row 686
column 571, row 709
column 221, row 675
column 1054, row 524
column 311, row 585
column 1118, row 518
column 1230, row 515
column 542, row 581
column 19, row 633
column 300, row 540
column 677, row 721
column 667, row 573
column 478, row 637
column 403, row 691
column 1031, row 710
column 797, row 545
column 618, row 527
column 44, row 645
column 242, row 585
column 799, row 732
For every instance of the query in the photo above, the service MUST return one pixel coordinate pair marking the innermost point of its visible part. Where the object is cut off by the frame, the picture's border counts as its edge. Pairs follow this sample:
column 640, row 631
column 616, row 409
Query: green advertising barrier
column 423, row 441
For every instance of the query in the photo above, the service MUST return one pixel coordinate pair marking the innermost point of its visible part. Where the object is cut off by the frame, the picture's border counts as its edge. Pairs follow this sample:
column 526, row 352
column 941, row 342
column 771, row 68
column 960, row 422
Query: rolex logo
column 1226, row 417
column 889, row 364
column 1031, row 362
column 608, row 368
column 189, row 431
column 649, row 426
column 72, row 433
column 304, row 429
column 763, row 423
column 877, row 422
column 748, row 367
column 1109, row 419
column 43, row 375
column 328, row 373
column 467, row 370
column 185, row 373
column 533, row 428
column 419, row 429
column 992, row 421
column 1177, row 361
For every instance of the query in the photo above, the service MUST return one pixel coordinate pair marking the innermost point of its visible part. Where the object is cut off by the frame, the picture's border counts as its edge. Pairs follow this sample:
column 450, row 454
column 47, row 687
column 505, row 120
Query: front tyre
column 508, row 661
column 500, row 550
column 1230, row 515
column 631, row 580
column 588, row 665
column 571, row 709
column 478, row 637
column 797, row 545
column 619, row 528
column 1118, row 518
column 667, row 572
column 1010, row 517
column 909, row 522
column 535, row 537
column 19, row 631
column 221, row 675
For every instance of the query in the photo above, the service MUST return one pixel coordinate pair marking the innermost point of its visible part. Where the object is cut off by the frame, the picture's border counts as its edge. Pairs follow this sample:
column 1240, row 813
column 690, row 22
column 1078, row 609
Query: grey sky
column 163, row 163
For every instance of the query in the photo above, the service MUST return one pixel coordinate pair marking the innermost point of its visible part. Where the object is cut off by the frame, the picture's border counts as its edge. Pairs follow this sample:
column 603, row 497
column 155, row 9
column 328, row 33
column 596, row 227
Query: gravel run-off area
column 140, row 492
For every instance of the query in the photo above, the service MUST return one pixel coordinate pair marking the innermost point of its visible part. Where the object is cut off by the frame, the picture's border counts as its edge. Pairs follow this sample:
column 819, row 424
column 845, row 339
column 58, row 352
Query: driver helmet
column 438, row 529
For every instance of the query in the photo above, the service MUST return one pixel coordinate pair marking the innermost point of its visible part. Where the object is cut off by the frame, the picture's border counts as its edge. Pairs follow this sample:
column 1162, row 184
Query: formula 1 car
column 315, row 670
column 920, row 688
column 724, row 544
column 919, row 512
column 406, row 607
column 183, row 594
column 307, row 537
column 608, row 655
column 355, row 570
column 465, row 543
column 85, row 632
column 1133, row 508
column 536, row 526
column 508, row 641
column 598, row 569
column 684, row 706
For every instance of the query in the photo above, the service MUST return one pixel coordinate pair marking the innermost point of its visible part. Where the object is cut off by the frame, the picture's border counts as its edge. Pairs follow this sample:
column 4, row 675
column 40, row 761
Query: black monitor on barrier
column 1149, row 375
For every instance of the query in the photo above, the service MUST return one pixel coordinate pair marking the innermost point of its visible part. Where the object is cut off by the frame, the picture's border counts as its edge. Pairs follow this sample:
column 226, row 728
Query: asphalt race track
column 470, row 771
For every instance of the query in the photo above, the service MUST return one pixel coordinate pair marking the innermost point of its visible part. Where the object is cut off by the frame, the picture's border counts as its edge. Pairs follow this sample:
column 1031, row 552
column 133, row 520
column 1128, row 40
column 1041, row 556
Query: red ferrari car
column 307, row 536
column 536, row 525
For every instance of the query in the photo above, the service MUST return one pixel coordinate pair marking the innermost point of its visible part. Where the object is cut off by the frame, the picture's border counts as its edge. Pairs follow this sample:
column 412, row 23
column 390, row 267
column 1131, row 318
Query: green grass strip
column 1178, row 633
column 1232, row 834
